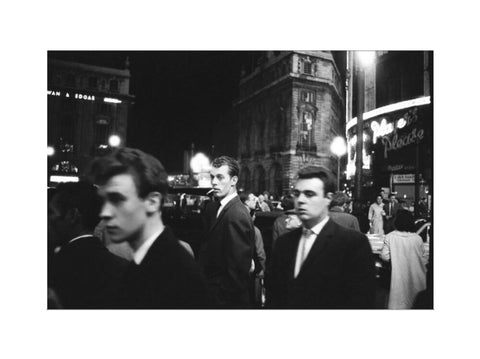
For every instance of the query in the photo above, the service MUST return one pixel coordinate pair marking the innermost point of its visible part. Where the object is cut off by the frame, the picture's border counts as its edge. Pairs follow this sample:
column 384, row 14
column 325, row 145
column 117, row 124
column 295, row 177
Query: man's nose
column 300, row 198
column 106, row 212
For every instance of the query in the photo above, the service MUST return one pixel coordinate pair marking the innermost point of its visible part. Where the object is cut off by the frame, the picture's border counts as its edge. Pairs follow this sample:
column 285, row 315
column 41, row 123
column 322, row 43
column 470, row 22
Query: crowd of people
column 320, row 255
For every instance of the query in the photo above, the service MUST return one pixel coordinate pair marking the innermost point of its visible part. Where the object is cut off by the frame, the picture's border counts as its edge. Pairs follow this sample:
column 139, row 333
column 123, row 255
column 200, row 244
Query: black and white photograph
column 238, row 180
column 244, row 166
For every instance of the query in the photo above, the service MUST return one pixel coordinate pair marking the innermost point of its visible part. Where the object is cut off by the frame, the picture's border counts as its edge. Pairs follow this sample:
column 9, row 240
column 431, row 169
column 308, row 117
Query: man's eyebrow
column 114, row 195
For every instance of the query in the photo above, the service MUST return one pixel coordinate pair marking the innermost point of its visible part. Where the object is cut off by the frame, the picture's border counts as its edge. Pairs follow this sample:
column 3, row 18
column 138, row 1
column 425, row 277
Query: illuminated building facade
column 88, row 110
column 398, row 126
column 289, row 109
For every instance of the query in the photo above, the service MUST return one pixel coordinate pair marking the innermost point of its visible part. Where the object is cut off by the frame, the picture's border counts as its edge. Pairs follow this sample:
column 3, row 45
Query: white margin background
column 31, row 28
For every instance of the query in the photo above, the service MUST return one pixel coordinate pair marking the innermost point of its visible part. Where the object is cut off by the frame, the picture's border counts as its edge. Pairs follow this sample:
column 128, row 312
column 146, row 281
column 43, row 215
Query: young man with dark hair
column 163, row 274
column 337, row 212
column 228, row 250
column 321, row 265
column 82, row 272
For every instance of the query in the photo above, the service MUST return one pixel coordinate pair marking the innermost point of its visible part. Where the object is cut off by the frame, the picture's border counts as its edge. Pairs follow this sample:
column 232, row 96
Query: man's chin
column 115, row 238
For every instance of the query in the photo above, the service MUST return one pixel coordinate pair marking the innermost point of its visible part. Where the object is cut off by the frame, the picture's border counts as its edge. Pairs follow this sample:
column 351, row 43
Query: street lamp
column 114, row 141
column 339, row 148
column 50, row 151
column 200, row 165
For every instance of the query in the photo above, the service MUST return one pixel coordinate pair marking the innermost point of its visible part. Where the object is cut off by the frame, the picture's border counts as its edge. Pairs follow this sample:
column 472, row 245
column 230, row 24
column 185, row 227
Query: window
column 113, row 85
column 307, row 67
column 307, row 96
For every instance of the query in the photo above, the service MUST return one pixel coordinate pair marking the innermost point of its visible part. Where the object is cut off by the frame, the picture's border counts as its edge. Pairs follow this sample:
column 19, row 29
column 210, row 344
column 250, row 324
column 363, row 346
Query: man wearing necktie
column 321, row 265
column 228, row 250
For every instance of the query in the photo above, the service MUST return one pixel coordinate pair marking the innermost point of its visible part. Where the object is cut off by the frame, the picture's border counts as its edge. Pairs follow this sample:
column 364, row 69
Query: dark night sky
column 179, row 96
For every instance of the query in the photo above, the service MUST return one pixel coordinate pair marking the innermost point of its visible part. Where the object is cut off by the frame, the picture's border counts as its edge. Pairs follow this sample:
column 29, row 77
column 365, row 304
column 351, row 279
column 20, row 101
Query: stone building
column 86, row 105
column 289, row 109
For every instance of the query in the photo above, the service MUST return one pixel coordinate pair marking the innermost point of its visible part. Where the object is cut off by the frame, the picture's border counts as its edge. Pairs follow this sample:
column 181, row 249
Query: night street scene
column 240, row 180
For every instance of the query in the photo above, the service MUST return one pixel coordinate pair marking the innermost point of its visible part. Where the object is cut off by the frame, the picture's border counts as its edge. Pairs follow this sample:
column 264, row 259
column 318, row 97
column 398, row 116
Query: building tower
column 289, row 109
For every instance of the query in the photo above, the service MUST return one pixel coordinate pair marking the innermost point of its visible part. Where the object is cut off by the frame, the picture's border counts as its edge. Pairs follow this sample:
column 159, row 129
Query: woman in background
column 405, row 249
column 375, row 216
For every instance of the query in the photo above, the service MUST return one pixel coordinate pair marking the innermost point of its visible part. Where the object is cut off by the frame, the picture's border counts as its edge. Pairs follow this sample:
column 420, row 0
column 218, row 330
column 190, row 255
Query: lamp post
column 339, row 148
column 361, row 60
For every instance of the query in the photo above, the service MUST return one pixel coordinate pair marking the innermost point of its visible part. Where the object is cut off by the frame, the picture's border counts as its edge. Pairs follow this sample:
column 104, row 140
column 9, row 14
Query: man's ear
column 153, row 202
column 234, row 180
column 329, row 195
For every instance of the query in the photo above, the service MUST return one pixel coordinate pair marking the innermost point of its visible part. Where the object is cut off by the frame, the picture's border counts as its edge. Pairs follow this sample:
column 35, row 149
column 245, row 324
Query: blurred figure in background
column 257, row 269
column 264, row 207
column 286, row 222
column 252, row 201
column 82, row 272
column 359, row 210
column 405, row 249
column 337, row 211
column 391, row 208
column 375, row 216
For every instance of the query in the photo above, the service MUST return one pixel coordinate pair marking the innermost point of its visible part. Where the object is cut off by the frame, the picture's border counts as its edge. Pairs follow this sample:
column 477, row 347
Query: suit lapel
column 323, row 237
column 224, row 210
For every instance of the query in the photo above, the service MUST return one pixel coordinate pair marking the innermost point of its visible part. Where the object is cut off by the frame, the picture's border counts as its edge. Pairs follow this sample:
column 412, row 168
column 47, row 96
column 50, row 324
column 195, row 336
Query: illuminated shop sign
column 396, row 142
column 410, row 178
column 390, row 108
column 381, row 129
column 111, row 100
column 59, row 179
column 80, row 96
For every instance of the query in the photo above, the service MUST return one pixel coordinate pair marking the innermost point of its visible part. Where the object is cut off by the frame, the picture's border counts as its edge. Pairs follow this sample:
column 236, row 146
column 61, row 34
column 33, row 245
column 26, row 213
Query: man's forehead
column 311, row 184
column 219, row 170
column 118, row 183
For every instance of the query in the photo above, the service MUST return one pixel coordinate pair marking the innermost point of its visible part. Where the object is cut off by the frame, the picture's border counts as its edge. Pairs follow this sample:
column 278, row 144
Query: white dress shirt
column 141, row 252
column 306, row 243
column 224, row 201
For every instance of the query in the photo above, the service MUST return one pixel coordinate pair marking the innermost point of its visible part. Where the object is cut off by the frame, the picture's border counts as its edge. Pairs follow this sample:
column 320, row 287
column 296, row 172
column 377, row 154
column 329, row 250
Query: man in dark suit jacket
column 322, row 265
column 226, row 256
column 81, row 271
column 163, row 274
column 337, row 212
column 391, row 208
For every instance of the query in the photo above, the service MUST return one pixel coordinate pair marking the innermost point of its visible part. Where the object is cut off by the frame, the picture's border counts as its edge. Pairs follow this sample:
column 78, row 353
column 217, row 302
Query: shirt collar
column 227, row 199
column 319, row 226
column 141, row 252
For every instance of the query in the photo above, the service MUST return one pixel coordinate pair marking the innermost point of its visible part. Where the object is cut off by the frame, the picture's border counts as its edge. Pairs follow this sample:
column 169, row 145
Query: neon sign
column 381, row 129
column 397, row 142
column 78, row 96
column 84, row 97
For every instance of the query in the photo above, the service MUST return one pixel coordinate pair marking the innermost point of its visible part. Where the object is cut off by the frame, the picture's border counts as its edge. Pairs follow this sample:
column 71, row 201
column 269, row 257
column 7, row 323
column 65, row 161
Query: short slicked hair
column 339, row 199
column 233, row 166
column 321, row 173
column 148, row 173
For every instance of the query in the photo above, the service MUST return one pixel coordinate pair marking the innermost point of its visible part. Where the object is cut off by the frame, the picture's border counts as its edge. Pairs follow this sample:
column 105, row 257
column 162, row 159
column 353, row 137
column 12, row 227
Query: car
column 182, row 210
